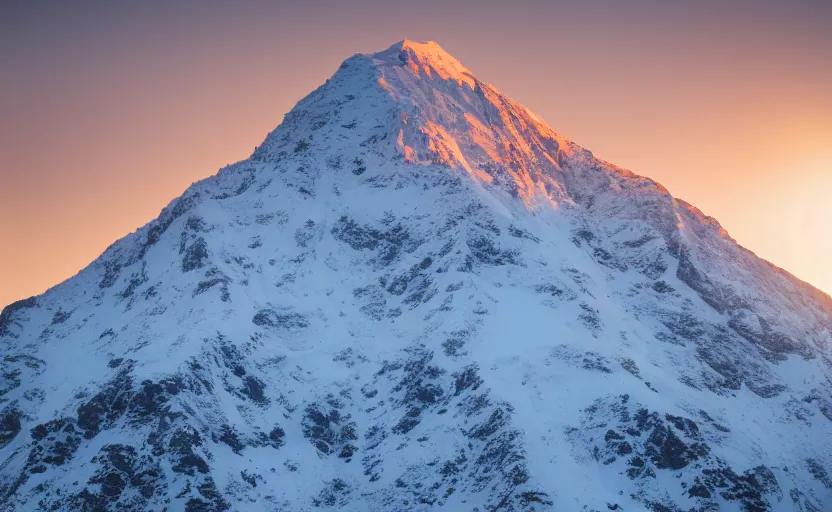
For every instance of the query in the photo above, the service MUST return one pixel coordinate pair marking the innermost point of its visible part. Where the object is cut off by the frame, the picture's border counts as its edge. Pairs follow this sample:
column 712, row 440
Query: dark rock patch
column 388, row 243
column 155, row 231
column 61, row 316
column 306, row 233
column 456, row 340
column 182, row 445
column 10, row 315
column 106, row 406
column 209, row 499
column 486, row 250
column 9, row 425
column 582, row 235
column 467, row 379
column 277, row 437
column 589, row 317
column 521, row 233
column 556, row 290
column 195, row 255
column 136, row 280
column 649, row 442
column 334, row 494
column 663, row 287
column 819, row 472
column 214, row 277
column 271, row 318
column 327, row 429
column 120, row 468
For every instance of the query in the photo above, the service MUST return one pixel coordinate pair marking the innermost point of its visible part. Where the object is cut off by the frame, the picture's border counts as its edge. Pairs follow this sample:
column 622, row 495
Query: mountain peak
column 421, row 46
column 426, row 58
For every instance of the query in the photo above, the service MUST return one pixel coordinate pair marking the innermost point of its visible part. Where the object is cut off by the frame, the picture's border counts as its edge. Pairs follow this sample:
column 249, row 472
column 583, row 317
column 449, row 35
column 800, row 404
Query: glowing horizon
column 110, row 112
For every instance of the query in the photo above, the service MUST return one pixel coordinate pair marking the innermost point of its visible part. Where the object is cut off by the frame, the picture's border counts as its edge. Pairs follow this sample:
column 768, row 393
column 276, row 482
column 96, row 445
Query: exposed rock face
column 414, row 295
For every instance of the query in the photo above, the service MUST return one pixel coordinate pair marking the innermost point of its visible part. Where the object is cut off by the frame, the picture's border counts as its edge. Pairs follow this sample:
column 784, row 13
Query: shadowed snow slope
column 417, row 295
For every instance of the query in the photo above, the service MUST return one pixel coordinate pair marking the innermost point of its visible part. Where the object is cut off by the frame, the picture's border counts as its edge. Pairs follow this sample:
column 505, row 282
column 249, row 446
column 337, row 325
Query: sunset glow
column 451, row 255
column 109, row 112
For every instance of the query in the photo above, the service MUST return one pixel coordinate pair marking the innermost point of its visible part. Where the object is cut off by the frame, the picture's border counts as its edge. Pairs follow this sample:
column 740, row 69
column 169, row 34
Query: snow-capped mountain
column 416, row 295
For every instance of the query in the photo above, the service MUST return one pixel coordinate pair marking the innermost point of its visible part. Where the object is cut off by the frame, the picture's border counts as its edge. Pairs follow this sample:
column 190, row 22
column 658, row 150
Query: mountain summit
column 416, row 295
column 427, row 58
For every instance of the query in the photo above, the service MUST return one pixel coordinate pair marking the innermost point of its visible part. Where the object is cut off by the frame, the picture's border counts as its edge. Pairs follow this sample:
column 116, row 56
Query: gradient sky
column 110, row 109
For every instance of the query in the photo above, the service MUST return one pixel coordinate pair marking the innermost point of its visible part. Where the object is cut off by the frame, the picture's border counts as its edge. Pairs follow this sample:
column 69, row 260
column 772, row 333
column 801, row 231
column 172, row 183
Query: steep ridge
column 415, row 294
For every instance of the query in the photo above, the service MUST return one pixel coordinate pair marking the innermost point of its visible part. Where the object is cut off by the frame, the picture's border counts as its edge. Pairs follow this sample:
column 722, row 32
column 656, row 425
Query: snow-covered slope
column 417, row 295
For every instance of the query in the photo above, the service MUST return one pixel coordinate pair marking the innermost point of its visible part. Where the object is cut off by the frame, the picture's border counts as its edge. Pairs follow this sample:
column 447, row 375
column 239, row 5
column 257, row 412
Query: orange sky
column 107, row 112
